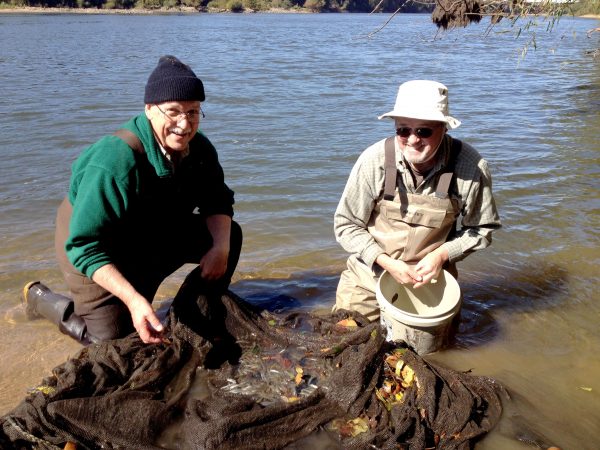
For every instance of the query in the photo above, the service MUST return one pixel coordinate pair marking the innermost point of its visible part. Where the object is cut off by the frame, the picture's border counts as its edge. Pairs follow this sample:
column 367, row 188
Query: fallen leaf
column 399, row 366
column 349, row 322
column 46, row 390
column 585, row 388
column 350, row 428
column 408, row 375
column 299, row 373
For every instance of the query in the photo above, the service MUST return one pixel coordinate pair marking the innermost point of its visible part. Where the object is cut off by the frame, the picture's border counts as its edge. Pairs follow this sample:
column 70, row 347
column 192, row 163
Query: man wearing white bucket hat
column 400, row 206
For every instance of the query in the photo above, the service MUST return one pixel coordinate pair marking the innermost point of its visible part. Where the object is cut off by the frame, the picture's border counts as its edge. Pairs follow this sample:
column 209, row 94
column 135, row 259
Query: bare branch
column 377, row 7
column 372, row 33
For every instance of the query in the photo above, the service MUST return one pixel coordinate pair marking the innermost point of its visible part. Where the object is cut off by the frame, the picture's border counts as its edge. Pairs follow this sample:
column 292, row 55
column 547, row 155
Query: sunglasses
column 421, row 132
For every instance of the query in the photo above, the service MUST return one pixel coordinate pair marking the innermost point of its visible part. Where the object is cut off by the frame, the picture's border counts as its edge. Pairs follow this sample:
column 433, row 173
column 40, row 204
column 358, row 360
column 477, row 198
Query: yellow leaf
column 399, row 366
column 408, row 375
column 46, row 390
column 299, row 373
column 399, row 396
column 585, row 388
column 350, row 322
column 359, row 425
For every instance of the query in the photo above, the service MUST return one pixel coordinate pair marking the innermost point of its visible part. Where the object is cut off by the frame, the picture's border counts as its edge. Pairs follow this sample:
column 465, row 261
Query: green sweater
column 124, row 201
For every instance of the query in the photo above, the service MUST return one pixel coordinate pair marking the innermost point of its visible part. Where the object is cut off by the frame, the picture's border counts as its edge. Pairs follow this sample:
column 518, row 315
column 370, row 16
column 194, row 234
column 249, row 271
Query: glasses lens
column 176, row 115
column 424, row 132
column 419, row 132
column 403, row 132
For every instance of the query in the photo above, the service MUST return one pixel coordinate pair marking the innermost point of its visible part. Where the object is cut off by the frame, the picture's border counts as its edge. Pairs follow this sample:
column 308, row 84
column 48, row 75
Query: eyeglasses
column 421, row 132
column 175, row 115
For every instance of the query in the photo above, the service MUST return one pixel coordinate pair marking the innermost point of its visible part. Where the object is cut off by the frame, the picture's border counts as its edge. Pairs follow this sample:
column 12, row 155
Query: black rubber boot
column 40, row 301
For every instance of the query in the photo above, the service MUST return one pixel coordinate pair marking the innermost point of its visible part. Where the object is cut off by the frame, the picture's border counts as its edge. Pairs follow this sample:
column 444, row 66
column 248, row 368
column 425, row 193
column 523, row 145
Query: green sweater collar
column 141, row 127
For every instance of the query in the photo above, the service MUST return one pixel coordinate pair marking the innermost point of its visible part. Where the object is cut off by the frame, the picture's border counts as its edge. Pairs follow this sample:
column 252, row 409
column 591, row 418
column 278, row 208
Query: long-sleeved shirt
column 126, row 203
column 472, row 188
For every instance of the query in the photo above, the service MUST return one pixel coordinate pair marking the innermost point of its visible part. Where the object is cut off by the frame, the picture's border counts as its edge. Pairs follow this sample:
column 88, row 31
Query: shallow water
column 291, row 102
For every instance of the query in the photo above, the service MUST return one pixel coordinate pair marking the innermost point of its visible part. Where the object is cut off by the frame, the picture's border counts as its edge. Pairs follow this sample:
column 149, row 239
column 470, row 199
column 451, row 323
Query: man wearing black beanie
column 141, row 203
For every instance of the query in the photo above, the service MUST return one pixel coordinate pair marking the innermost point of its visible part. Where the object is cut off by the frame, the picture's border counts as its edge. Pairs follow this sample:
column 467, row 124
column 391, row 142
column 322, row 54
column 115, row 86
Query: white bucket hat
column 423, row 99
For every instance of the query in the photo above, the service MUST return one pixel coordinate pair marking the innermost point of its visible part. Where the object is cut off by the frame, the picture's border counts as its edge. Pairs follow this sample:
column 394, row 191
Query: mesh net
column 229, row 375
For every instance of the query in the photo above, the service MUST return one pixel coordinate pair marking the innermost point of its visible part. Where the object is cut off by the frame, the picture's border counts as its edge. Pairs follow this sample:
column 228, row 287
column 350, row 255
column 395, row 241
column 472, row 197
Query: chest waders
column 40, row 301
column 406, row 226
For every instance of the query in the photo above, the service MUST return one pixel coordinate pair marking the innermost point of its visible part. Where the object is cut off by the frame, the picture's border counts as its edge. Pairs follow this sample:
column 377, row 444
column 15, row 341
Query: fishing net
column 229, row 375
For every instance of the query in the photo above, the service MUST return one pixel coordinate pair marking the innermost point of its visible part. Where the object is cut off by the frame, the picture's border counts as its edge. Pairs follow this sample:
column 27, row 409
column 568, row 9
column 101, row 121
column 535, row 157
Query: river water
column 292, row 100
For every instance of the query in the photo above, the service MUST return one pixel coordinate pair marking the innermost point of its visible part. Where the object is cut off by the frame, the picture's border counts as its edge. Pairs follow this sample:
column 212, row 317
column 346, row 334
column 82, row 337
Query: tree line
column 461, row 12
column 234, row 5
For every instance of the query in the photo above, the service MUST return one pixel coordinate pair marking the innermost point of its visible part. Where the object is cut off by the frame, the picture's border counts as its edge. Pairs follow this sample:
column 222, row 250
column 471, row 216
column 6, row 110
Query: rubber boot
column 40, row 301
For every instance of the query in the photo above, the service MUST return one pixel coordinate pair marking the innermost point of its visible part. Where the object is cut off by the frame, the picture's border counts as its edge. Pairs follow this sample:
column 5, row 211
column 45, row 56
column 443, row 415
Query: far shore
column 179, row 10
column 132, row 11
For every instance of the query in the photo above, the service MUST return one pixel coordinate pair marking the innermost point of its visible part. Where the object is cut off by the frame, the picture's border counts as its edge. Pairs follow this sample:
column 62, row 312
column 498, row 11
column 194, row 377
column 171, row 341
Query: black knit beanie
column 173, row 81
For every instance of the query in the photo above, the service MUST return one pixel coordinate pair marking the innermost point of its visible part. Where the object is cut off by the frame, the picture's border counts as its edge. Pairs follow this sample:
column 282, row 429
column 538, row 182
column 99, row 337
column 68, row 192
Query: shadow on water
column 306, row 291
column 511, row 289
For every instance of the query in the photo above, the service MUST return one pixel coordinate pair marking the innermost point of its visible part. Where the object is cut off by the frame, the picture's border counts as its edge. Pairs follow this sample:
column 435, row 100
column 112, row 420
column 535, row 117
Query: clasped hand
column 426, row 270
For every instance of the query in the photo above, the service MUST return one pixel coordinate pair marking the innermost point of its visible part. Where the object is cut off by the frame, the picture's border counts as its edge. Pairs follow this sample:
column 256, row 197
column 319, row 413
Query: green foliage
column 16, row 3
column 282, row 4
column 255, row 5
column 315, row 5
column 217, row 4
column 234, row 5
column 587, row 7
column 151, row 4
column 119, row 4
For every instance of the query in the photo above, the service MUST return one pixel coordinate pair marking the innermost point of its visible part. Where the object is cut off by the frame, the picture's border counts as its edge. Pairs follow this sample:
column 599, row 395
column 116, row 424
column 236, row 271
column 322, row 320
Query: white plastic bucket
column 420, row 317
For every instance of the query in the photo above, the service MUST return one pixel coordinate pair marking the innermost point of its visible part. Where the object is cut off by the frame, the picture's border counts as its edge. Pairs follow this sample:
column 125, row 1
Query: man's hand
column 214, row 263
column 430, row 266
column 426, row 270
column 142, row 315
column 402, row 272
column 145, row 321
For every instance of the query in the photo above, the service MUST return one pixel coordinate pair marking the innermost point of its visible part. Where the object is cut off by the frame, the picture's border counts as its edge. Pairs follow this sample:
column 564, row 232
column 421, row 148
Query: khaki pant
column 356, row 289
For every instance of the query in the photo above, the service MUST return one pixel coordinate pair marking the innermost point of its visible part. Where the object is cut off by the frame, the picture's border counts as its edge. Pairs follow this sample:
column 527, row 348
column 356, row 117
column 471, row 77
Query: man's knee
column 352, row 296
column 111, row 320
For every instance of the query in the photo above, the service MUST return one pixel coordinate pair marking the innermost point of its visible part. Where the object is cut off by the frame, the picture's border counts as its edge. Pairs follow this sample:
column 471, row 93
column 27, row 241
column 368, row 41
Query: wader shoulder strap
column 443, row 186
column 130, row 139
column 391, row 172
